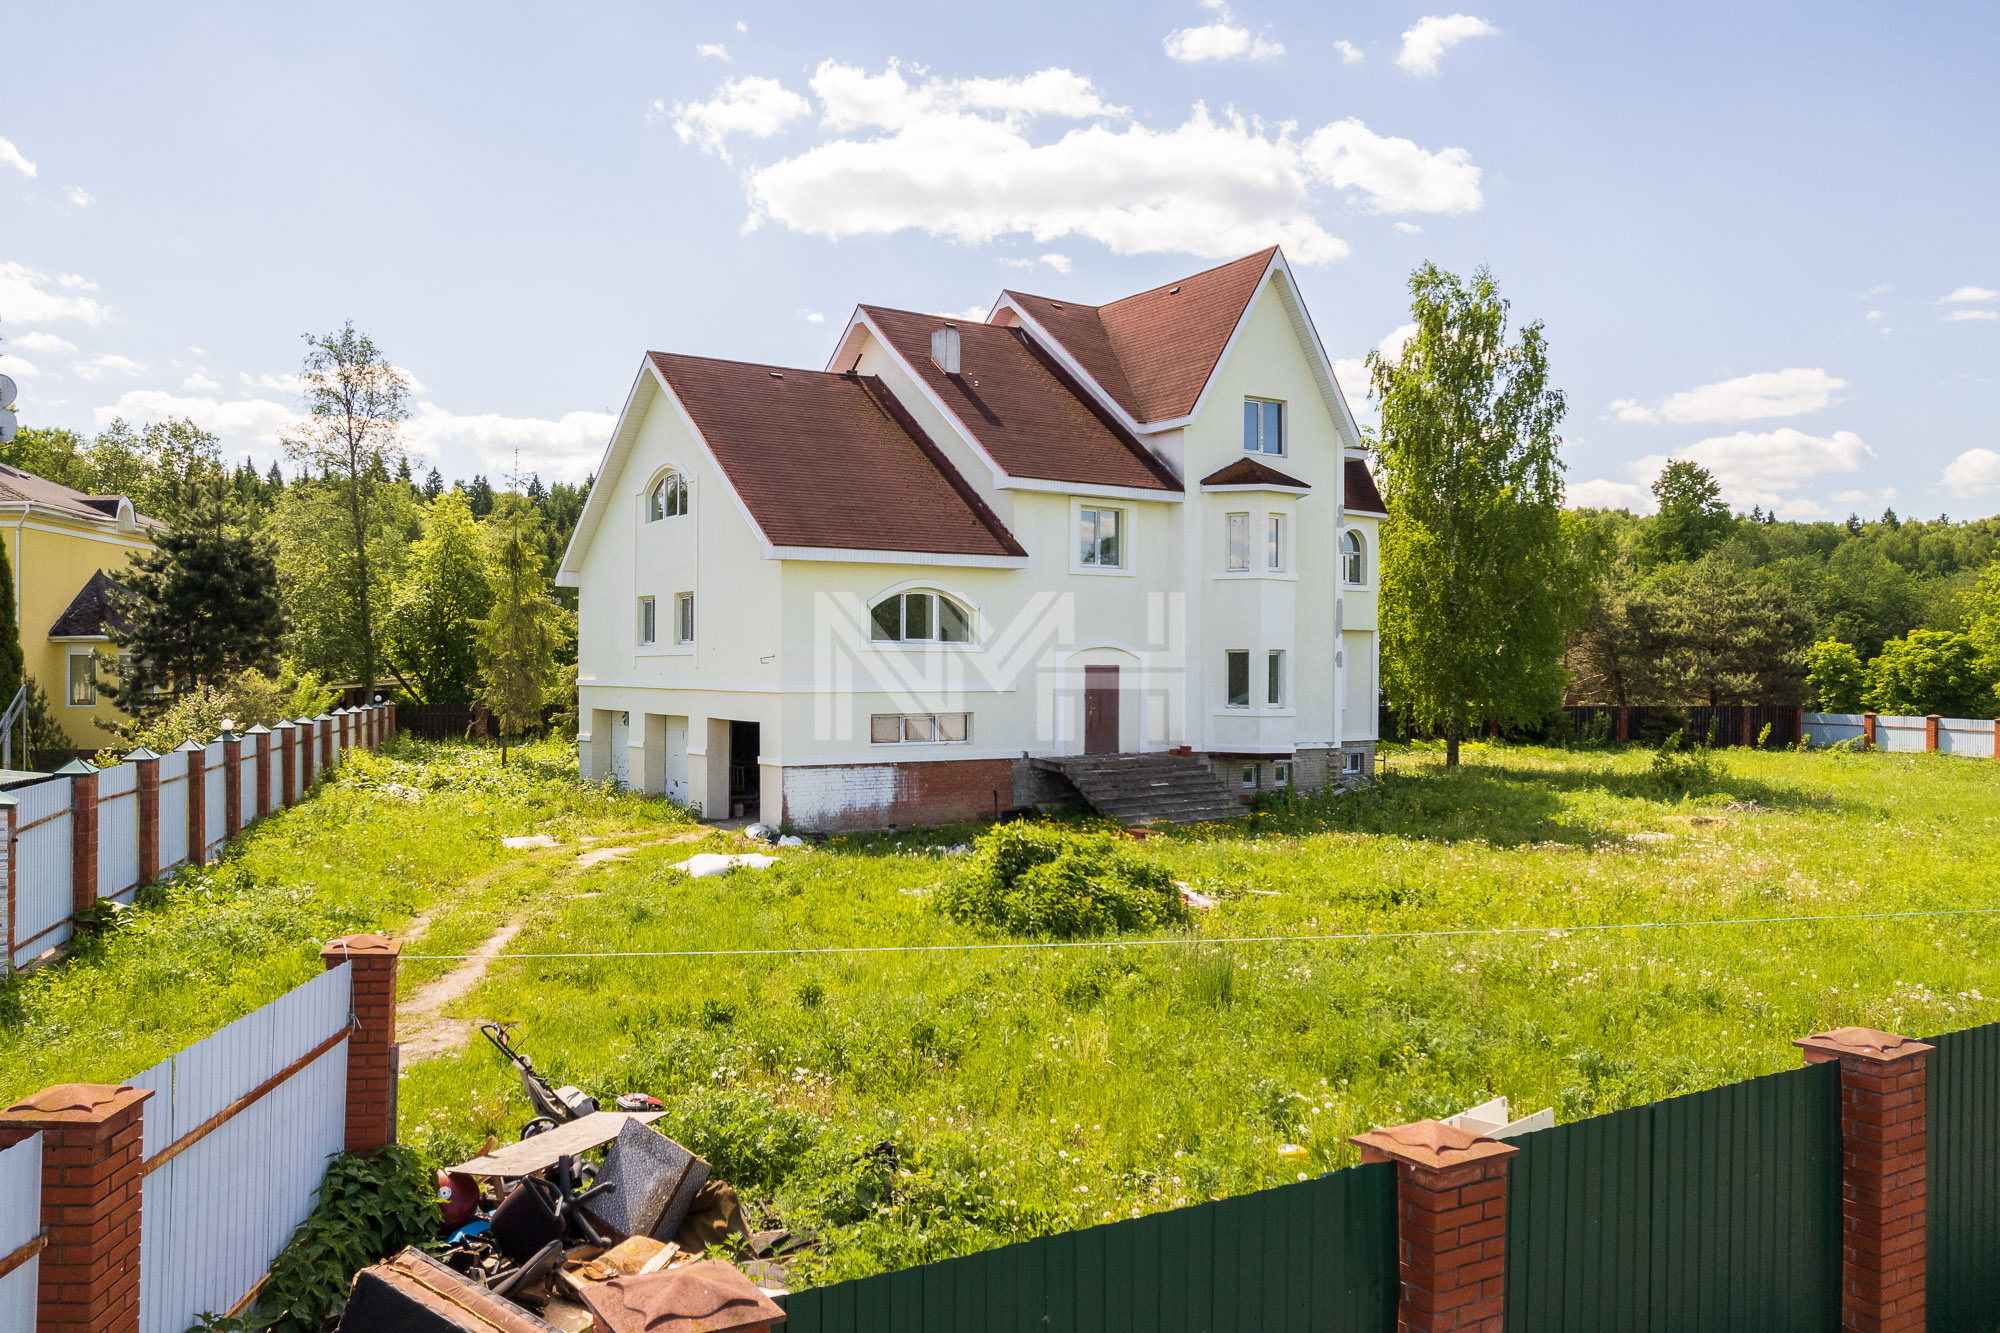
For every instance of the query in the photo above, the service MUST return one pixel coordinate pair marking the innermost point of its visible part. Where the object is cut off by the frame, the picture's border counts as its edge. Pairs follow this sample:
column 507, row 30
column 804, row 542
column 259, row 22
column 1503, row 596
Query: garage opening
column 744, row 748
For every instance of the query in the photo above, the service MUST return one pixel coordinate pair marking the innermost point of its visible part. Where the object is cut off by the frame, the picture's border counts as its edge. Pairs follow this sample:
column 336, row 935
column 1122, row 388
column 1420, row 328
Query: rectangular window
column 82, row 680
column 647, row 626
column 1351, row 762
column 1274, row 692
column 1097, row 536
column 917, row 615
column 1274, row 542
column 684, row 617
column 1263, row 427
column 1239, row 540
column 1281, row 774
column 1249, row 777
column 919, row 728
column 1239, row 679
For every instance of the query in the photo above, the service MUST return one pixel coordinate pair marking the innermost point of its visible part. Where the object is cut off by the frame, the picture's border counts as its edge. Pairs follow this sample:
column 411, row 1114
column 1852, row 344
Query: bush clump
column 1037, row 879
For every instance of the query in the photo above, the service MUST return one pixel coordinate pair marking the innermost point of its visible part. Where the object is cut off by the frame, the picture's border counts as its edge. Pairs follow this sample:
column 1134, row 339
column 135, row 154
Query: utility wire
column 1352, row 938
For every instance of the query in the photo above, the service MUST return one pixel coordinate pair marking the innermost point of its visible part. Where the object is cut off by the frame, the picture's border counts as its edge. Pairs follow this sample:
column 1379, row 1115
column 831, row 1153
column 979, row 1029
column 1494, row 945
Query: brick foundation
column 91, row 1178
column 1884, row 1152
column 371, row 1048
column 1451, row 1224
column 835, row 798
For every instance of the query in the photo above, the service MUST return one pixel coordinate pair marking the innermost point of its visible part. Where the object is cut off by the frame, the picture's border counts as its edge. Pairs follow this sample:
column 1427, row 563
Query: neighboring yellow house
column 63, row 544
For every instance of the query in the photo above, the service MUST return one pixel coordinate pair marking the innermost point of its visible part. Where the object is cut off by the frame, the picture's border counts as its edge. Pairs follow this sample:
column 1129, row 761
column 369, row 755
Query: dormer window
column 1263, row 426
column 668, row 498
column 919, row 617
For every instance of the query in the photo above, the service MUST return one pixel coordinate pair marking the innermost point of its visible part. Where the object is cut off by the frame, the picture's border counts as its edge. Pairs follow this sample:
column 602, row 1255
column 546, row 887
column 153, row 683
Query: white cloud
column 1873, row 315
column 1407, row 229
column 1221, row 40
column 852, row 98
column 1060, row 263
column 813, row 316
column 107, row 363
column 1598, row 493
column 1969, row 294
column 1395, row 174
column 18, row 366
column 1350, row 54
column 1958, row 316
column 199, row 382
column 742, row 26
column 567, row 445
column 1432, row 36
column 240, row 419
column 10, row 156
column 712, row 51
column 754, row 106
column 43, row 342
column 1974, row 472
column 972, row 314
column 25, row 297
column 77, row 195
column 1757, row 469
column 1772, row 393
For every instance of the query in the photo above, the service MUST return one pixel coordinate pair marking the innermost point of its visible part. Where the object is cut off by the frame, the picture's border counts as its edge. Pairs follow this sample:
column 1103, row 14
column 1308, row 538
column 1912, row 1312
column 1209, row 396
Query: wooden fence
column 84, row 835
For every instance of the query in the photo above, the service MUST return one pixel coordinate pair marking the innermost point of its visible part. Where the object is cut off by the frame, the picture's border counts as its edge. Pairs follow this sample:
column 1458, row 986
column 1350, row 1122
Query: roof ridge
column 1264, row 254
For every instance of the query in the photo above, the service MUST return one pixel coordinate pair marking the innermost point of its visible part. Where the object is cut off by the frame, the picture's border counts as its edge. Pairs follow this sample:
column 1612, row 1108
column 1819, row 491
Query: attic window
column 668, row 498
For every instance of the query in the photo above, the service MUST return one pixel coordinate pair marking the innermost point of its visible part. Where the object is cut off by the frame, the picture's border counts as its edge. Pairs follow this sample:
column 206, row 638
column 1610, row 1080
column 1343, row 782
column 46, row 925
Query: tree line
column 264, row 593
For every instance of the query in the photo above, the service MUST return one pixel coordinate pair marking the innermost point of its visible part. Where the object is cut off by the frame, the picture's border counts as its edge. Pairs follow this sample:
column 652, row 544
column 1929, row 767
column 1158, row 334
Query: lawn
column 1026, row 1089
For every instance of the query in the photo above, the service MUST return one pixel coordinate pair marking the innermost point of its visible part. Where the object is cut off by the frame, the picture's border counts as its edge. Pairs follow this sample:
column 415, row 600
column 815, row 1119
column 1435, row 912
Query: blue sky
column 1760, row 236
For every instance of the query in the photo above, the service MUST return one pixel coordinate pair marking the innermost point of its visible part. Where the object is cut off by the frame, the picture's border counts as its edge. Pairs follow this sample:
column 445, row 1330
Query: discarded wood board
column 515, row 1160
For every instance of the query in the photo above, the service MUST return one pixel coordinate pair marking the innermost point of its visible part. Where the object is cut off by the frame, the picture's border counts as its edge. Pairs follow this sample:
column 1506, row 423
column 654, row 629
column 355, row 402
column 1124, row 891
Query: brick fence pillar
column 347, row 728
column 232, row 784
column 323, row 744
column 479, row 717
column 1798, row 725
column 82, row 834
column 91, row 1178
column 148, row 765
column 1749, row 736
column 286, row 734
column 389, row 722
column 371, row 1050
column 1930, row 733
column 1451, row 1224
column 197, row 802
column 1883, row 1150
column 1867, row 731
column 262, row 734
column 1624, row 724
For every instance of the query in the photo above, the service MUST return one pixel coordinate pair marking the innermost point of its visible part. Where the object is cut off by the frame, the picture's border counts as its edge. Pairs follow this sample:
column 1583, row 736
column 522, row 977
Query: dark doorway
column 1100, row 710
column 743, row 773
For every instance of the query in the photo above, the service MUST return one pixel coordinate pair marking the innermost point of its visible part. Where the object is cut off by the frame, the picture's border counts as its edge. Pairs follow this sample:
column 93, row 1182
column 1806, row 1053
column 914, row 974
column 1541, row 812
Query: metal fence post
column 1451, row 1224
column 371, row 1048
column 91, row 1178
column 1884, row 1152
column 83, row 834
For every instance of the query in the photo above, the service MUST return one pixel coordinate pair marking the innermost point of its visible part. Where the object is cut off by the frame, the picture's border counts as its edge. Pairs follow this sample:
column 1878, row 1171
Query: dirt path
column 423, row 1028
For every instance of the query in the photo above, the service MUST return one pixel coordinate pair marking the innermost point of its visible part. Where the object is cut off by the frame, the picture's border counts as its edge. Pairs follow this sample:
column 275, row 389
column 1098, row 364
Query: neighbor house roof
column 17, row 487
column 828, row 460
column 93, row 613
column 1032, row 419
column 1154, row 352
column 1362, row 497
column 1253, row 472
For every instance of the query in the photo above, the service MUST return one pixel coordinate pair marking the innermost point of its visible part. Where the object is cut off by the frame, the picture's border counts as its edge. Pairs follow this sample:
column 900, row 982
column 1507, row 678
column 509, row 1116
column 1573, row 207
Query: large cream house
column 1127, row 547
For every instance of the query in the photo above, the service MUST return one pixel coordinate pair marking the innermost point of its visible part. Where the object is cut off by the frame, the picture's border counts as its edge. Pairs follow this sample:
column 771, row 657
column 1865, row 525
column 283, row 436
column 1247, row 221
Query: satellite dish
column 8, row 391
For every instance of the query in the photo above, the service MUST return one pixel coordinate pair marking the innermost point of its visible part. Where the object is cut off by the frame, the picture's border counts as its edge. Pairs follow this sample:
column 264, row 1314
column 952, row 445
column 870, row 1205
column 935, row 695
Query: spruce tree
column 517, row 640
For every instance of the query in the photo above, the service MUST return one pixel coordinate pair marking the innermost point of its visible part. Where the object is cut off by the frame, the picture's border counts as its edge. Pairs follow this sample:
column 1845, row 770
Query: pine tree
column 433, row 485
column 517, row 640
column 480, row 495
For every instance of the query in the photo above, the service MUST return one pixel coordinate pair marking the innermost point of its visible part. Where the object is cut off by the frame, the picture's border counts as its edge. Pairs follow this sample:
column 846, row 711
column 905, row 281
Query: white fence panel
column 118, row 832
column 1833, row 728
column 246, row 788
column 173, row 809
column 20, row 1223
column 217, row 1214
column 1968, row 736
column 1902, row 735
column 43, row 897
column 212, row 813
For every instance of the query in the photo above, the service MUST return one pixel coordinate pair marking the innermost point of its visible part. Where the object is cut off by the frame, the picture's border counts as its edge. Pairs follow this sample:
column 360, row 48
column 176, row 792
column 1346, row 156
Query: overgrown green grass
column 1027, row 1090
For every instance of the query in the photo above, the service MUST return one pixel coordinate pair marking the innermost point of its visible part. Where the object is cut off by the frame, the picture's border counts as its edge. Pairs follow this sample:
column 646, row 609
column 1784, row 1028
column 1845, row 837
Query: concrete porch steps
column 1150, row 788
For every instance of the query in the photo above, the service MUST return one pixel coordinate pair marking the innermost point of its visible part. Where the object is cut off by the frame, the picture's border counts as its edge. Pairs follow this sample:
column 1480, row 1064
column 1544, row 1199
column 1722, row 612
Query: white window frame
column 684, row 625
column 1252, row 777
column 1358, row 556
column 1350, row 762
column 70, row 660
column 1274, row 678
column 674, row 503
column 1228, row 659
column 1236, row 543
column 1127, row 522
column 1281, row 774
column 920, row 728
column 649, row 622
column 935, row 640
column 1274, row 544
column 1260, row 447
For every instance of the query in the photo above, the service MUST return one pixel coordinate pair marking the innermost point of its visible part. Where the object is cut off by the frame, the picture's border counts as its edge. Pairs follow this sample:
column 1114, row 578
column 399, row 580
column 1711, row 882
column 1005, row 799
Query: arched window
column 668, row 499
column 1353, row 569
column 919, row 617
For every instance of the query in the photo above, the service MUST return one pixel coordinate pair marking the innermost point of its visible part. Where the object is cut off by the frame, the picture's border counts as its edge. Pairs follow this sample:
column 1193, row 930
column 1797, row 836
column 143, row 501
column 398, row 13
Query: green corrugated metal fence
column 1962, row 1125
column 1315, row 1257
column 1717, row 1211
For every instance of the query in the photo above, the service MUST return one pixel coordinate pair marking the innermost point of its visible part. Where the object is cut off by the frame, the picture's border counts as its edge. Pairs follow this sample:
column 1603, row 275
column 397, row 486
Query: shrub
column 1680, row 771
column 1037, row 879
column 1931, row 671
column 1836, row 676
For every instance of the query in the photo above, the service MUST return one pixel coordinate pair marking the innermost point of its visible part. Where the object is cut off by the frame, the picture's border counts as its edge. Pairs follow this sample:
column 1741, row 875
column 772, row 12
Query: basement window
column 1281, row 774
column 919, row 728
column 1351, row 762
column 1250, row 777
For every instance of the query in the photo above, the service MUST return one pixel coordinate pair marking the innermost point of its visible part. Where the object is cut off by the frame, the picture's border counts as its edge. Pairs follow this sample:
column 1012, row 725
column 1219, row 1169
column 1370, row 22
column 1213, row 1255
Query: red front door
column 1100, row 710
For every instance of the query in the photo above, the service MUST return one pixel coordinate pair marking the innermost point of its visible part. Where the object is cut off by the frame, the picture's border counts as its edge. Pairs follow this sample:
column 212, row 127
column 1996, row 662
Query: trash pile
column 549, row 1233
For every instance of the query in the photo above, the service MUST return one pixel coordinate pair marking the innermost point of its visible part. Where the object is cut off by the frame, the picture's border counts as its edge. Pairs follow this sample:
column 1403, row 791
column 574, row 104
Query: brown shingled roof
column 92, row 611
column 1248, row 471
column 17, row 486
column 831, row 460
column 1022, row 407
column 1362, row 497
column 1153, row 352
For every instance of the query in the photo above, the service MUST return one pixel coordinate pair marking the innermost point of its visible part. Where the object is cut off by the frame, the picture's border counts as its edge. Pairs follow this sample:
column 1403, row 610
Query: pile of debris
column 546, row 1233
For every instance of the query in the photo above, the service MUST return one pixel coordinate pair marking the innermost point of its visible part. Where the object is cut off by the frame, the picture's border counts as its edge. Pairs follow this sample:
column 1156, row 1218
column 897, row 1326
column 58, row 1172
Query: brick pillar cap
column 191, row 747
column 361, row 946
column 75, row 1104
column 78, row 768
column 139, row 755
column 259, row 730
column 1861, row 1043
column 1434, row 1144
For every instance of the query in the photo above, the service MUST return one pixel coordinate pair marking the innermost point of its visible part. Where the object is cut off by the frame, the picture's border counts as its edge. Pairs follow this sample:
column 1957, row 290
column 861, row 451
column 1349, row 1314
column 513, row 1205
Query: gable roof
column 1025, row 411
column 1361, row 496
column 18, row 487
column 1248, row 471
column 1154, row 352
column 826, row 460
column 92, row 613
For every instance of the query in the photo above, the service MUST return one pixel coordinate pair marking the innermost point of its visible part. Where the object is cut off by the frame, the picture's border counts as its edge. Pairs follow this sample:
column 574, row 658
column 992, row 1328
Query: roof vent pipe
column 944, row 349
